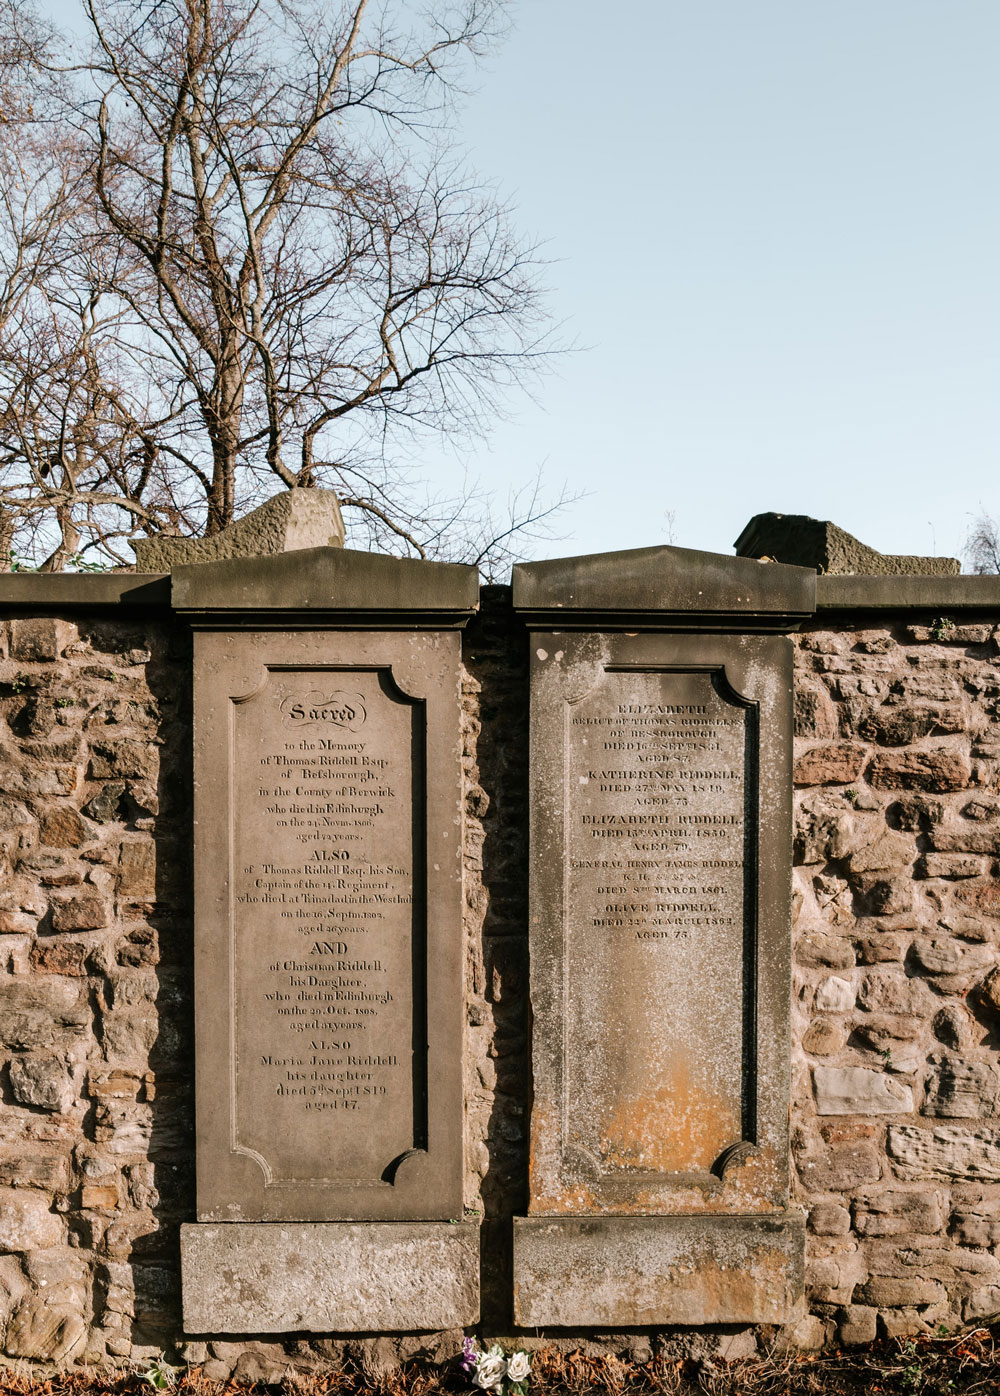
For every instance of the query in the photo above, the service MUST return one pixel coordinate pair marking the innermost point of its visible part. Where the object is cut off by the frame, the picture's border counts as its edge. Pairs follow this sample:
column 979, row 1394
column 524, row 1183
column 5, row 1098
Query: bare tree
column 255, row 267
column 982, row 547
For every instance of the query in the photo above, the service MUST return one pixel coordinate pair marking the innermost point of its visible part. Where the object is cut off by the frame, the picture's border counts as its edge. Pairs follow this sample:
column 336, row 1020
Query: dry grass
column 968, row 1365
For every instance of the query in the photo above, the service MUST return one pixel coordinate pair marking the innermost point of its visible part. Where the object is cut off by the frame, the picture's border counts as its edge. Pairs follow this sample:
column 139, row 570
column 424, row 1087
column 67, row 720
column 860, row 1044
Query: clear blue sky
column 775, row 231
column 776, row 225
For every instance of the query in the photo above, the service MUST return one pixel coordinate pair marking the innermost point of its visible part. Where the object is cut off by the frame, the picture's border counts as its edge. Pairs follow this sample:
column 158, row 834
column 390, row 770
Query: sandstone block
column 823, row 1038
column 123, row 756
column 983, row 898
column 45, row 1331
column 815, row 712
column 947, row 1151
column 837, row 764
column 42, row 1080
column 80, row 913
column 26, row 1223
column 819, row 951
column 37, row 639
column 137, row 869
column 24, row 1167
column 977, row 1223
column 950, row 956
column 982, row 1304
column 857, row 1325
column 59, row 957
column 951, row 865
column 900, row 724
column 888, row 851
column 617, row 1270
column 39, row 1013
column 854, row 1090
column 892, row 1212
column 129, row 1031
column 829, row 1219
column 958, row 1088
column 834, row 995
column 957, row 838
column 937, row 771
column 63, row 828
column 888, row 991
column 952, row 1025
column 989, row 990
column 880, row 895
column 837, row 1167
column 888, row 1291
column 886, row 1033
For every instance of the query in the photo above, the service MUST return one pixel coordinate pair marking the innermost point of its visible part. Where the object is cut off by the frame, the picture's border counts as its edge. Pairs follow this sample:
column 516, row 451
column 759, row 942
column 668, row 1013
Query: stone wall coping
column 649, row 586
column 83, row 591
column 327, row 582
column 940, row 594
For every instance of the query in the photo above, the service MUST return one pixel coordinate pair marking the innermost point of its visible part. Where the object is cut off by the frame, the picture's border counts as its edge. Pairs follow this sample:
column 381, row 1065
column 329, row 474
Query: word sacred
column 339, row 709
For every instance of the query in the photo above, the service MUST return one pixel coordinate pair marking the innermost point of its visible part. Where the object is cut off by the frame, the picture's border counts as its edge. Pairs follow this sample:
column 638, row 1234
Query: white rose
column 518, row 1367
column 490, row 1370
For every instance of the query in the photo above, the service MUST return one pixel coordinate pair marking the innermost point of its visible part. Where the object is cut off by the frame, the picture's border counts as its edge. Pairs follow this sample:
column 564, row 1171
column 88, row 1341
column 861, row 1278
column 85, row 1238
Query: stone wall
column 895, row 1085
column 896, row 1139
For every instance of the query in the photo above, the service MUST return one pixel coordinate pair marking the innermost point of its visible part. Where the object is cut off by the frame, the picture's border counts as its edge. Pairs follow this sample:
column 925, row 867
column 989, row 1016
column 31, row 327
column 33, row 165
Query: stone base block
column 329, row 1277
column 572, row 1272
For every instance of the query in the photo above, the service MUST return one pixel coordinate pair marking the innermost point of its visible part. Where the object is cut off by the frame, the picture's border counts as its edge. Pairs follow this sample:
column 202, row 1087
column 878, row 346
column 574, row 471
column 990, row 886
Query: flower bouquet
column 491, row 1371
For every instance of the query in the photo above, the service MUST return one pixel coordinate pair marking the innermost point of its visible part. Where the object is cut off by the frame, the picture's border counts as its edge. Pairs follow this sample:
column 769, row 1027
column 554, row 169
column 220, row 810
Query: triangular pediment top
column 327, row 580
column 666, row 582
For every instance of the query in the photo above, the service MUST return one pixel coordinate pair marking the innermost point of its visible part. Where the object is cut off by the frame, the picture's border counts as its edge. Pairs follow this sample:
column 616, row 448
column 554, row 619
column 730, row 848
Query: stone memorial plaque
column 659, row 938
column 328, row 884
column 658, row 850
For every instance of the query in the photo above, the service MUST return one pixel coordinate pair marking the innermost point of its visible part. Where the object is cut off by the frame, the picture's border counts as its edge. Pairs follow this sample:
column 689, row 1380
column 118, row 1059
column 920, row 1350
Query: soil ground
column 969, row 1363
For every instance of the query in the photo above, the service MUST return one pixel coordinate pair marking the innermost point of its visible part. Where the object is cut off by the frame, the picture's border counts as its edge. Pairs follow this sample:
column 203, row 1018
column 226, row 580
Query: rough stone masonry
column 896, row 993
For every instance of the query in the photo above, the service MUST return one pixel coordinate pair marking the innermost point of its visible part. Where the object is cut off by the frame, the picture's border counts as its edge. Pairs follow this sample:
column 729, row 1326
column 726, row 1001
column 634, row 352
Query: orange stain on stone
column 677, row 1126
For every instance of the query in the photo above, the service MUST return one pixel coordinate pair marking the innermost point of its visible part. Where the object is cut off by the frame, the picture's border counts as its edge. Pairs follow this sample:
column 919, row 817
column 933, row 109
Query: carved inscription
column 324, row 859
column 656, row 851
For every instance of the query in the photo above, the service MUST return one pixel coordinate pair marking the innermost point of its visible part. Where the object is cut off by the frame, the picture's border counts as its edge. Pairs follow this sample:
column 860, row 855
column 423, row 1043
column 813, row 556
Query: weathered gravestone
column 659, row 940
column 328, row 945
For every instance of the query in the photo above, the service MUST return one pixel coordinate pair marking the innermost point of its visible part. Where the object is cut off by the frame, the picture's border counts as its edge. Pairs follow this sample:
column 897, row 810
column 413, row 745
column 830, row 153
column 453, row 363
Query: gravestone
column 659, row 940
column 328, row 944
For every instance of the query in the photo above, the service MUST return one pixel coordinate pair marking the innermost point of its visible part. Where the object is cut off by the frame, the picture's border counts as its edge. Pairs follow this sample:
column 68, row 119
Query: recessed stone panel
column 659, row 922
column 329, row 938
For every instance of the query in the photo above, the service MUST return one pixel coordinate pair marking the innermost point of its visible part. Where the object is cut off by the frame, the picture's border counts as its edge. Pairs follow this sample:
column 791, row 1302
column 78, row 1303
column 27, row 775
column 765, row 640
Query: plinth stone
column 392, row 1277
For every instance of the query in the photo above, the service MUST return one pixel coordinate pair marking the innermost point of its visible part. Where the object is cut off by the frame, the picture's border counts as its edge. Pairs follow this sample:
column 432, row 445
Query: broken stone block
column 937, row 771
column 823, row 1038
column 122, row 756
column 137, row 869
column 890, row 1213
column 26, row 1223
column 80, row 913
column 45, row 1331
column 888, row 1291
column 45, row 1081
column 834, row 995
column 857, row 1325
column 836, row 764
column 961, row 1089
column 946, row 1151
column 105, row 805
column 63, row 828
column 37, row 639
column 950, row 956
